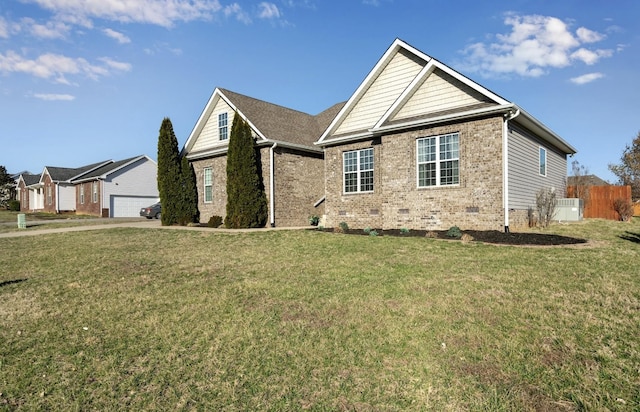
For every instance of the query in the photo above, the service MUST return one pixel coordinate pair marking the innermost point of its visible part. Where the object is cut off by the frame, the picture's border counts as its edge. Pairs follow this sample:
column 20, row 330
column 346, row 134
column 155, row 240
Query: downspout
column 57, row 198
column 505, row 165
column 272, row 190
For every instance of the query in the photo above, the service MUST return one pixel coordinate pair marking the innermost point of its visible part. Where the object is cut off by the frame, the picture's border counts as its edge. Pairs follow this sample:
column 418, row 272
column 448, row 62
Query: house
column 28, row 192
column 587, row 180
column 117, row 189
column 292, row 166
column 420, row 146
column 108, row 188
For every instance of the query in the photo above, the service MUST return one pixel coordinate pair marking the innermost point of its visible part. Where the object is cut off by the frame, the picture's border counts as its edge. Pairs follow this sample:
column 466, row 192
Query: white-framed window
column 49, row 197
column 223, row 130
column 94, row 190
column 438, row 160
column 208, row 185
column 82, row 194
column 543, row 161
column 358, row 171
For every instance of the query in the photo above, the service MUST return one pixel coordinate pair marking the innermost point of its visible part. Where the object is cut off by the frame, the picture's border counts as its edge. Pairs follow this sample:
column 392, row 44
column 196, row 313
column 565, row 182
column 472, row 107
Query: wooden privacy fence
column 600, row 201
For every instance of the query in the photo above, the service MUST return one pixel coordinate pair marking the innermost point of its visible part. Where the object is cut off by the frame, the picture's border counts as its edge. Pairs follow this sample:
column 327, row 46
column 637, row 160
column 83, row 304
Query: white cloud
column 54, row 97
column 160, row 12
column 235, row 9
column 587, row 78
column 268, row 11
column 119, row 37
column 588, row 36
column 50, row 30
column 534, row 45
column 56, row 67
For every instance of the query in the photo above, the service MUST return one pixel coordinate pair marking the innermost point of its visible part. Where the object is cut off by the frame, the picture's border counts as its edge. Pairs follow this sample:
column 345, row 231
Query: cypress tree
column 246, row 198
column 188, row 195
column 169, row 177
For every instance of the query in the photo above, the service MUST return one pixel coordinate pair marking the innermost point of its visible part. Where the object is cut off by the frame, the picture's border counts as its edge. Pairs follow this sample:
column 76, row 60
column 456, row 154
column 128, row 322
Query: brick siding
column 396, row 202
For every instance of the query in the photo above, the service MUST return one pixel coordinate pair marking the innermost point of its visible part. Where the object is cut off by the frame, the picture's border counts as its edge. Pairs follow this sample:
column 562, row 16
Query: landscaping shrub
column 14, row 205
column 344, row 226
column 214, row 221
column 454, row 232
column 546, row 202
column 624, row 208
column 314, row 220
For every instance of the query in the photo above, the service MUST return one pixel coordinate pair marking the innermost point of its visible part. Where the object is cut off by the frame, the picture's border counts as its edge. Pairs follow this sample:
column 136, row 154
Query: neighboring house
column 117, row 189
column 28, row 192
column 420, row 146
column 587, row 180
column 108, row 188
column 58, row 189
column 292, row 166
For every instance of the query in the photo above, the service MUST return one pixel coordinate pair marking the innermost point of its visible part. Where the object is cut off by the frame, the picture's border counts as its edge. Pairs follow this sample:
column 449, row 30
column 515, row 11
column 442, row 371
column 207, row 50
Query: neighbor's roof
column 66, row 174
column 103, row 171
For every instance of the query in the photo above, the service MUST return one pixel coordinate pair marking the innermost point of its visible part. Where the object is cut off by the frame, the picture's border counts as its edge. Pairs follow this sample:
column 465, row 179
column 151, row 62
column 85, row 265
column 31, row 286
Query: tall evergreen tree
column 169, row 177
column 246, row 198
column 188, row 196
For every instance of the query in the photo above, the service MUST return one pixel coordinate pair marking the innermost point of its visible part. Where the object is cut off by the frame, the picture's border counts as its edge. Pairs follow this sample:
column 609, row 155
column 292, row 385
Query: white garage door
column 129, row 206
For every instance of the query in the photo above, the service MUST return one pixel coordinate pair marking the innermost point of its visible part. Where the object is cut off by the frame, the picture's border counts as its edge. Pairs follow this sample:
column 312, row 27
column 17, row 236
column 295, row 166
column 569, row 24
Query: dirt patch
column 485, row 236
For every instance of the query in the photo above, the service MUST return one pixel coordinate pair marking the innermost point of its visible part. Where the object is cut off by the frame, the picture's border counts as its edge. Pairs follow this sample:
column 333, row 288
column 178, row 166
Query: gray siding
column 137, row 179
column 524, row 176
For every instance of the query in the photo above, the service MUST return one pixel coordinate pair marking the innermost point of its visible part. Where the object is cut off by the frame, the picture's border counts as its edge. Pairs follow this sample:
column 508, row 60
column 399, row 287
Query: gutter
column 272, row 181
column 505, row 164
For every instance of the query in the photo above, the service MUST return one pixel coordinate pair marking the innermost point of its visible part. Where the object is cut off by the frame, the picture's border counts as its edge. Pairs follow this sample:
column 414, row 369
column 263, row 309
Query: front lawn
column 293, row 320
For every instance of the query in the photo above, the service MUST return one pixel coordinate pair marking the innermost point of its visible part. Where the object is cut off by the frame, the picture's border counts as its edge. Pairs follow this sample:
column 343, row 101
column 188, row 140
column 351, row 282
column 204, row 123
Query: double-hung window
column 543, row 161
column 223, row 130
column 439, row 160
column 358, row 171
column 208, row 185
column 49, row 197
column 82, row 194
column 95, row 192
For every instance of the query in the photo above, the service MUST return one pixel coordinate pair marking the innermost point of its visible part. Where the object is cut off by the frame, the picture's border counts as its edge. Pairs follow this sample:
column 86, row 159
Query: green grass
column 181, row 320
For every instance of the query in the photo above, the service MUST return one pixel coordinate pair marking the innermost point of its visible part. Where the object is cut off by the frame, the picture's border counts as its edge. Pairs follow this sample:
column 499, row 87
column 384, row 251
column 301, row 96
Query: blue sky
column 88, row 80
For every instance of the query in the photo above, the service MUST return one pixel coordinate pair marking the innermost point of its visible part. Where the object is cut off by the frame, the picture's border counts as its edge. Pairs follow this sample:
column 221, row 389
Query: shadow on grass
column 11, row 282
column 631, row 237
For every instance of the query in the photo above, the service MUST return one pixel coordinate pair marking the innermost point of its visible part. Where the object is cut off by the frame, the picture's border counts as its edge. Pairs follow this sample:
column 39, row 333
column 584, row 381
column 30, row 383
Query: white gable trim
column 395, row 47
column 206, row 113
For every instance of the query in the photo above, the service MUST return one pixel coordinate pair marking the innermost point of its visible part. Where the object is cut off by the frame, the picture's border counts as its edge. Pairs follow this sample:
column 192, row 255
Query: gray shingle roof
column 30, row 179
column 107, row 168
column 280, row 123
column 63, row 174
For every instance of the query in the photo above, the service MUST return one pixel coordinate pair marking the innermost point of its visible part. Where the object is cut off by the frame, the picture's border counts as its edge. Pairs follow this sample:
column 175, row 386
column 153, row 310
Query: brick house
column 117, row 189
column 108, row 189
column 292, row 166
column 418, row 145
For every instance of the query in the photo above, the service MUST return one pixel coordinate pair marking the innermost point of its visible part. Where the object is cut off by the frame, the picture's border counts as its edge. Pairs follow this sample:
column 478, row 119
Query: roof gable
column 66, row 174
column 269, row 123
column 109, row 168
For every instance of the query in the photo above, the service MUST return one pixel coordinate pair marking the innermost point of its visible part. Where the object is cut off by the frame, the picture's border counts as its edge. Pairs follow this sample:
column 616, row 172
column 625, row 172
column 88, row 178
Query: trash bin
column 22, row 221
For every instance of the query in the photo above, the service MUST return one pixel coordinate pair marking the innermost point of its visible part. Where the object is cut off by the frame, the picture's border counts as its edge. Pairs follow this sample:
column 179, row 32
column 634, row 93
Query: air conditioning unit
column 569, row 210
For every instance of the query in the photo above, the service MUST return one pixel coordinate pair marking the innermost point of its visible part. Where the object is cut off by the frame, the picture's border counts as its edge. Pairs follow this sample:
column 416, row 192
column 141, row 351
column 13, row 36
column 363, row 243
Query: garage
column 129, row 206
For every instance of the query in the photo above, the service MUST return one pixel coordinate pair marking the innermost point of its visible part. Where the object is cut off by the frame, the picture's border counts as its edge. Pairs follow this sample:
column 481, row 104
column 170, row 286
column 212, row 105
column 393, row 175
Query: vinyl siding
column 437, row 93
column 137, row 179
column 209, row 135
column 391, row 82
column 524, row 176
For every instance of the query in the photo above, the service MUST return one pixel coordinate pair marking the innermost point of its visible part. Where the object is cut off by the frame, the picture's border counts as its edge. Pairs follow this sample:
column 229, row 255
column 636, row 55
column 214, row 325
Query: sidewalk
column 102, row 224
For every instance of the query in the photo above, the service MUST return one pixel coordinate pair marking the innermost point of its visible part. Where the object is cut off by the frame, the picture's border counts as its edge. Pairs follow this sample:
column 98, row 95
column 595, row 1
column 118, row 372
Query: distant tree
column 246, row 198
column 169, row 177
column 628, row 171
column 188, row 201
column 580, row 181
column 7, row 186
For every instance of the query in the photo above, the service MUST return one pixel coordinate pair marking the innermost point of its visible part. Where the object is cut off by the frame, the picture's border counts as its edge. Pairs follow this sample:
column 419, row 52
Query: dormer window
column 222, row 126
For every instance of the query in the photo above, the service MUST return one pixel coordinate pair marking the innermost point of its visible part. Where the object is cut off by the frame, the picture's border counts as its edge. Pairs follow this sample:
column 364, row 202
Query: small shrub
column 367, row 230
column 214, row 221
column 531, row 217
column 431, row 234
column 321, row 228
column 14, row 205
column 373, row 233
column 314, row 220
column 454, row 232
column 404, row 231
column 466, row 237
column 624, row 208
column 344, row 227
column 546, row 203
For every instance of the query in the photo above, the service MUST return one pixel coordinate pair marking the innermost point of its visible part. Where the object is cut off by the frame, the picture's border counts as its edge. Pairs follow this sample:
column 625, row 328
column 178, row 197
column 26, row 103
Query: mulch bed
column 485, row 236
